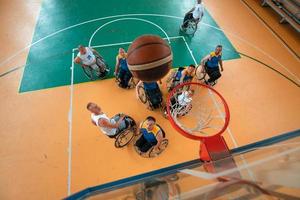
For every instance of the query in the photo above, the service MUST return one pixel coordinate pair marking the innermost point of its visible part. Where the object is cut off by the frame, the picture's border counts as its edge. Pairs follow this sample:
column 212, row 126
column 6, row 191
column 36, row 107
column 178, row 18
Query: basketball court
column 50, row 149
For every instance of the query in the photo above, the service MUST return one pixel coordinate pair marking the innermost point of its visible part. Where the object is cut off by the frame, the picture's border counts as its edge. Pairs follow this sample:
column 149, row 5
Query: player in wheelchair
column 122, row 73
column 120, row 127
column 91, row 62
column 180, row 103
column 149, row 92
column 211, row 65
column 192, row 18
column 180, row 76
column 152, row 139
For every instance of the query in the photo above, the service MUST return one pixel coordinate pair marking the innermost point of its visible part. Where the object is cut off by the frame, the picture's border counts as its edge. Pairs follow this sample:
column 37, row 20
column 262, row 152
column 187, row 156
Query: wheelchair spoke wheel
column 200, row 73
column 88, row 71
column 191, row 28
column 124, row 138
column 103, row 69
column 132, row 83
column 142, row 94
column 156, row 151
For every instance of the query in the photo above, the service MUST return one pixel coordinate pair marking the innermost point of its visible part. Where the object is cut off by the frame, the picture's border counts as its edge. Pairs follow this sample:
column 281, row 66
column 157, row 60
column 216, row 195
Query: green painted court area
column 50, row 59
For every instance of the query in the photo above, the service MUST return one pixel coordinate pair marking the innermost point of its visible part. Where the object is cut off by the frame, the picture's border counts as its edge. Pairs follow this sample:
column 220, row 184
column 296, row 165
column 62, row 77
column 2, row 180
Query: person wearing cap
column 121, row 69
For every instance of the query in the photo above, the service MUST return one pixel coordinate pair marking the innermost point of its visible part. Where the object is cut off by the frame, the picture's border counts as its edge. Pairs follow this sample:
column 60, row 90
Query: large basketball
column 149, row 58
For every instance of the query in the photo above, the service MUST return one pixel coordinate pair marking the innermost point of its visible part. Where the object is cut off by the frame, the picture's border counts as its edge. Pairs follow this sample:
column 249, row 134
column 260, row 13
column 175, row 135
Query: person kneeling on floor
column 151, row 135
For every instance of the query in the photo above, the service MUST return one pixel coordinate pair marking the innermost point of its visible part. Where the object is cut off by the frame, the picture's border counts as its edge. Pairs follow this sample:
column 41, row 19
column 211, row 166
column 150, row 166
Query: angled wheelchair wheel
column 153, row 152
column 132, row 83
column 103, row 68
column 191, row 28
column 142, row 94
column 200, row 73
column 124, row 138
column 89, row 72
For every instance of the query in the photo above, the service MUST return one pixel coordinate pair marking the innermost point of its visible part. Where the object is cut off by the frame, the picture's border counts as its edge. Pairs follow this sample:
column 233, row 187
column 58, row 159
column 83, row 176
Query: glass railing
column 267, row 169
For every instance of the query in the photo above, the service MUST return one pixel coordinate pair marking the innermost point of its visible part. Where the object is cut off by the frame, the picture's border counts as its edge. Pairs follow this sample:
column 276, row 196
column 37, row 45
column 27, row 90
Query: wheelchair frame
column 152, row 152
column 144, row 98
column 191, row 28
column 126, row 132
column 201, row 75
column 91, row 73
column 131, row 84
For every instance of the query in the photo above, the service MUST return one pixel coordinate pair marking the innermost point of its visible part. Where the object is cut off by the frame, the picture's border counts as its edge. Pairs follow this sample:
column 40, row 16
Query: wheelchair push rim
column 126, row 136
column 191, row 28
column 142, row 94
column 153, row 152
column 88, row 71
column 200, row 73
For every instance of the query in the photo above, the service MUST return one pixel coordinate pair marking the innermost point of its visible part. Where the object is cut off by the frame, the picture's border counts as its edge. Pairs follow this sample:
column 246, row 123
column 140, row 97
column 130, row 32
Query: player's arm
column 105, row 123
column 221, row 65
column 204, row 60
column 182, row 76
column 136, row 89
column 93, row 122
column 159, row 138
column 117, row 66
column 191, row 10
column 77, row 60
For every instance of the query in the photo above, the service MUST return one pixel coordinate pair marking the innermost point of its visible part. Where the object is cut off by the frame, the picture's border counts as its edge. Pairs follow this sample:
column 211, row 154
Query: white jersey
column 88, row 58
column 184, row 99
column 198, row 11
column 106, row 131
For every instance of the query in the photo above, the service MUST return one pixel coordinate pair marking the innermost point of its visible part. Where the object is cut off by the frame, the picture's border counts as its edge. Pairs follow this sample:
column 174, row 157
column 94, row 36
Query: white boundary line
column 205, row 175
column 70, row 120
column 123, row 19
column 221, row 115
column 269, row 29
column 70, row 116
column 154, row 15
column 123, row 43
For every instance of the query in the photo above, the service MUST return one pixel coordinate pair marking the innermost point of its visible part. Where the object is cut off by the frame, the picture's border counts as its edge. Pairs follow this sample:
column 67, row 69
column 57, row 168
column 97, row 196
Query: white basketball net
column 197, row 110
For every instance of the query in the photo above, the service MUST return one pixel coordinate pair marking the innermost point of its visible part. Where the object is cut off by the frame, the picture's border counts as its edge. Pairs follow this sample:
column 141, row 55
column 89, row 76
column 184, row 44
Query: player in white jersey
column 88, row 57
column 109, row 126
column 196, row 13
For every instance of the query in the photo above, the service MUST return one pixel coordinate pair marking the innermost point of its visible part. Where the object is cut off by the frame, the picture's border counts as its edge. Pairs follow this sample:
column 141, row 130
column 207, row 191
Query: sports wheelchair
column 126, row 135
column 202, row 75
column 153, row 151
column 99, row 70
column 191, row 27
column 131, row 83
column 154, row 98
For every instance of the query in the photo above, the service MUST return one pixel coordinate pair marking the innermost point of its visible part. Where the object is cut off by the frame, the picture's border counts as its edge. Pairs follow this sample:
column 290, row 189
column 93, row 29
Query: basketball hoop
column 199, row 112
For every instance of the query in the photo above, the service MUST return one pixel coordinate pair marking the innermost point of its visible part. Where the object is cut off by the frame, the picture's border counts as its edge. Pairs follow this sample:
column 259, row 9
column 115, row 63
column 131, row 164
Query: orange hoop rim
column 185, row 133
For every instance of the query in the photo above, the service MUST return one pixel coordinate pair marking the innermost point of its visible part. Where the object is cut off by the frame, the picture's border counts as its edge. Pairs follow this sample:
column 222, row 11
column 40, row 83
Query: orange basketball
column 149, row 58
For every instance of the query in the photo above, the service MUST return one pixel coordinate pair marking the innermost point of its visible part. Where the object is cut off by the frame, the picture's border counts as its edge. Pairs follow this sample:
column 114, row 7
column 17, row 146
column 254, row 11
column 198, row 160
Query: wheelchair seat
column 125, row 79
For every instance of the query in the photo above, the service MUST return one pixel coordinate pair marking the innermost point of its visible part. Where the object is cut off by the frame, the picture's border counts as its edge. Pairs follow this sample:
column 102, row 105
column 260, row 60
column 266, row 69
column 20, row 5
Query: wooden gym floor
column 42, row 159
